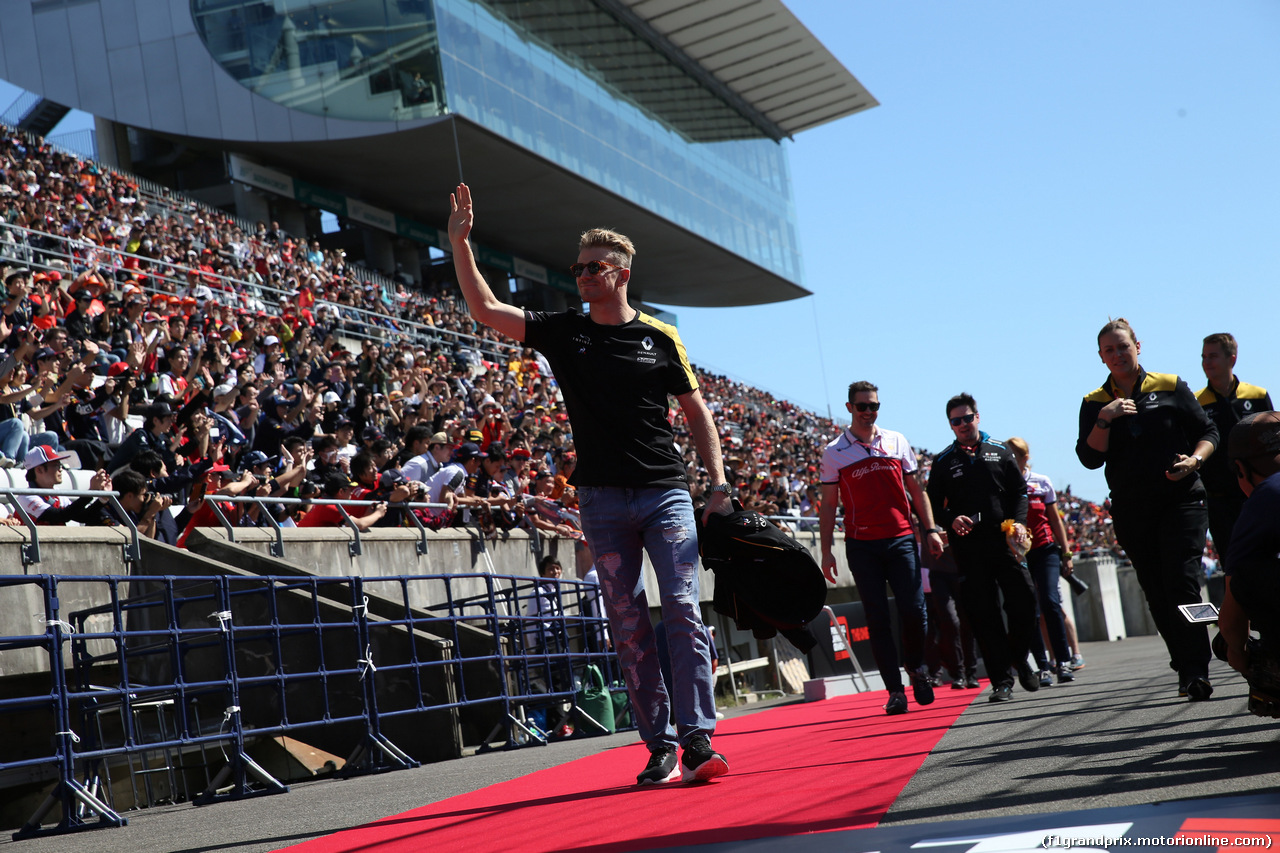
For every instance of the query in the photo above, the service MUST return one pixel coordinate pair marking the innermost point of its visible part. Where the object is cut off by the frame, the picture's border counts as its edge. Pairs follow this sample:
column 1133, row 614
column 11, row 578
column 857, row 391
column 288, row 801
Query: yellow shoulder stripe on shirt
column 670, row 332
column 1160, row 382
column 1100, row 395
column 1245, row 391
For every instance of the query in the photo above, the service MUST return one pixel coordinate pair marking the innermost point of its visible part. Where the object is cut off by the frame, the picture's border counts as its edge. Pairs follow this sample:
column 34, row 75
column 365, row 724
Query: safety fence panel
column 160, row 691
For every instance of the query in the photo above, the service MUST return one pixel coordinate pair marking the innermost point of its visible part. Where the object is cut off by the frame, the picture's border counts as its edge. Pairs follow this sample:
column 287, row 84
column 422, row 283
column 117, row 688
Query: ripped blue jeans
column 621, row 524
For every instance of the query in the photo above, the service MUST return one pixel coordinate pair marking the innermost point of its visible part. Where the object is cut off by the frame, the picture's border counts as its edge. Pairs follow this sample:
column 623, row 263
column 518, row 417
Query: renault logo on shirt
column 647, row 343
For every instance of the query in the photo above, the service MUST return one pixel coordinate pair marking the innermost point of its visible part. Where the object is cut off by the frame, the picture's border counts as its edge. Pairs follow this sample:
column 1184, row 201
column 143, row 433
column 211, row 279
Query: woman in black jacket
column 1152, row 436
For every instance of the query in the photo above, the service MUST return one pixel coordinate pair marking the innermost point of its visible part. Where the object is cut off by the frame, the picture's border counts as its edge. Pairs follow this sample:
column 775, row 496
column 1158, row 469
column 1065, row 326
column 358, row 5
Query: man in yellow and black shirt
column 616, row 367
column 1226, row 400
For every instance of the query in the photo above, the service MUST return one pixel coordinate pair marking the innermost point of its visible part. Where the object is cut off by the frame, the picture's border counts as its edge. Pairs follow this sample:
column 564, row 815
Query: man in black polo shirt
column 1226, row 400
column 616, row 367
column 975, row 485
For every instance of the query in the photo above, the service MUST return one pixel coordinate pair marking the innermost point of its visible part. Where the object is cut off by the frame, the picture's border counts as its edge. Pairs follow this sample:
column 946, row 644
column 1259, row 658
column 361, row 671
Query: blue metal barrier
column 171, row 668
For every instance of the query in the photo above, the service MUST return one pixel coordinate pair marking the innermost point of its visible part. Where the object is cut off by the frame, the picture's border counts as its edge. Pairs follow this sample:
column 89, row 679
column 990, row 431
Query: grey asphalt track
column 1118, row 736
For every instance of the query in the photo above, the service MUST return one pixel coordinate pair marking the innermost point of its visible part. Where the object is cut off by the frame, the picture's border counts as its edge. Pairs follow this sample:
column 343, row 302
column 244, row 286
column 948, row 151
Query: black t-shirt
column 1253, row 562
column 615, row 381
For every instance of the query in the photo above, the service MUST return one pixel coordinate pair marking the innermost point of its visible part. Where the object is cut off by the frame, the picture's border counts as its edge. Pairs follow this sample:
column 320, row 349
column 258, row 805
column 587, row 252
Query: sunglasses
column 867, row 407
column 962, row 419
column 592, row 268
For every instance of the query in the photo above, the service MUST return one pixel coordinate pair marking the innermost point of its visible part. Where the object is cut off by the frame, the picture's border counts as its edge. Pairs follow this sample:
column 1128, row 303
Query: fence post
column 240, row 768
column 67, row 792
column 375, row 752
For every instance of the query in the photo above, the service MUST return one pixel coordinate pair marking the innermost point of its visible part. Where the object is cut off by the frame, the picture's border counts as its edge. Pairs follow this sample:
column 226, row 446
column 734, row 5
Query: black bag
column 766, row 582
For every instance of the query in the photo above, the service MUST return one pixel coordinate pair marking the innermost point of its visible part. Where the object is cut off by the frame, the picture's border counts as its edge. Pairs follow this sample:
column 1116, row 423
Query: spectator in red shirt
column 337, row 486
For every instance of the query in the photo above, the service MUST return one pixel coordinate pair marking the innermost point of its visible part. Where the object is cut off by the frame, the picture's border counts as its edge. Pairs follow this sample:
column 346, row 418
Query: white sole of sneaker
column 708, row 770
column 675, row 771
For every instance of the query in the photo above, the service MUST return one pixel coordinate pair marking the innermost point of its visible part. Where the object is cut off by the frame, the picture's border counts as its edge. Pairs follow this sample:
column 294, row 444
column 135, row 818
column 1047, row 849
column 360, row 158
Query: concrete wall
column 1113, row 608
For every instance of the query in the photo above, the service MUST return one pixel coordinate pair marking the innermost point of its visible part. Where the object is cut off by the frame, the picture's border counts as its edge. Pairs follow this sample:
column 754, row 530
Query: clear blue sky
column 1033, row 169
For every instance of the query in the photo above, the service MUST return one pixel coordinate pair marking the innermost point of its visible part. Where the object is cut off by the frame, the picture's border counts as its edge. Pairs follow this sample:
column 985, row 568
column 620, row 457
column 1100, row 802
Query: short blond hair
column 618, row 244
column 1019, row 446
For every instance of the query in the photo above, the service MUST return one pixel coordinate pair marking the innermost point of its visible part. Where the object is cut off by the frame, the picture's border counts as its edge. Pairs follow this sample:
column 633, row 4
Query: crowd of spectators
column 179, row 353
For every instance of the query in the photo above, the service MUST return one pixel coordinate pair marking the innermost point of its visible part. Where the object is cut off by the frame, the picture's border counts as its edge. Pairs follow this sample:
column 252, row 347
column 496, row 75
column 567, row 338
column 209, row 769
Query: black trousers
column 956, row 647
column 1165, row 543
column 1224, row 509
column 988, row 570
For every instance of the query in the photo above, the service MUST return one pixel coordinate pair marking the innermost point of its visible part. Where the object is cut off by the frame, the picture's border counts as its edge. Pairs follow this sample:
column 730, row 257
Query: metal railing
column 354, row 548
column 227, row 661
column 31, row 550
column 360, row 323
column 167, row 199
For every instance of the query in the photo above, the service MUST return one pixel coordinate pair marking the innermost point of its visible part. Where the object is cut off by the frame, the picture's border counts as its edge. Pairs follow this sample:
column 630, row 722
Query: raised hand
column 461, row 214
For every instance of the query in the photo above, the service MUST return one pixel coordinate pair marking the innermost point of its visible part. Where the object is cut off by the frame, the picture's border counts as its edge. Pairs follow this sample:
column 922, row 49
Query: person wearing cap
column 337, row 486
column 1252, row 599
column 449, row 486
column 487, row 483
column 278, row 421
column 143, row 505
column 79, row 322
column 391, row 487
column 154, row 434
column 266, row 360
column 517, row 475
column 616, row 369
column 44, row 471
column 344, row 431
column 218, row 479
column 1226, row 400
column 428, row 452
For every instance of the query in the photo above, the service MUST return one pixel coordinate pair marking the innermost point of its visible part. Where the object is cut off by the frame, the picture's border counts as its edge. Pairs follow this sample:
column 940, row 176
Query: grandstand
column 220, row 326
column 771, row 445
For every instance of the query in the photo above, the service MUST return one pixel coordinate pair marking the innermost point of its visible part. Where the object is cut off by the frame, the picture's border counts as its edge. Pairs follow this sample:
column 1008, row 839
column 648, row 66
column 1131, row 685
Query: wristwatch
column 1103, row 423
column 935, row 529
column 723, row 487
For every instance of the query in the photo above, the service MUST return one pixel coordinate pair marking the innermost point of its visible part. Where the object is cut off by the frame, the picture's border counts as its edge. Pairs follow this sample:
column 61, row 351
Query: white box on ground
column 832, row 686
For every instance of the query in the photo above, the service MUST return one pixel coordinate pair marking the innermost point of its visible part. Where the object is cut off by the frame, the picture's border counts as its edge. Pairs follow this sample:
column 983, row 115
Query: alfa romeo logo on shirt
column 647, row 343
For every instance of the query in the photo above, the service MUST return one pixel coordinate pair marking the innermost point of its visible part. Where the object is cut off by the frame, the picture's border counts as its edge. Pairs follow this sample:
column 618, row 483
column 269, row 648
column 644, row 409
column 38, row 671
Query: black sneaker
column 1046, row 678
column 1199, row 689
column 661, row 767
column 700, row 763
column 958, row 684
column 1001, row 693
column 971, row 681
column 897, row 703
column 922, row 688
column 1028, row 677
column 1065, row 674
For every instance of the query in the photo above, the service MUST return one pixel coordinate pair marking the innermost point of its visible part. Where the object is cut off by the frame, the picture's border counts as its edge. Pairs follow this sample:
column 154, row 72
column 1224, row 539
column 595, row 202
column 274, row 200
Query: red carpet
column 815, row 767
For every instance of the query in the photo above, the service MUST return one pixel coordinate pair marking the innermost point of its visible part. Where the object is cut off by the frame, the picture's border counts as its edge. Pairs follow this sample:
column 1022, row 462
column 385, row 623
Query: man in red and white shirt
column 872, row 473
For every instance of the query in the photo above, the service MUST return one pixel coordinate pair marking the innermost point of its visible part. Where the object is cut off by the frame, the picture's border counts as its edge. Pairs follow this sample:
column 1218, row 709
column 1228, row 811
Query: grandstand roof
column 412, row 172
column 754, row 59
